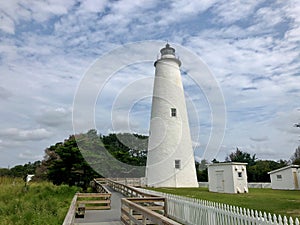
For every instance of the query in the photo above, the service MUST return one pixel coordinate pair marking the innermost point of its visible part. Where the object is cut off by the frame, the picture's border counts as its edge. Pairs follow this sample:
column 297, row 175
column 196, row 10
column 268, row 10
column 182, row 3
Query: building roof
column 284, row 168
column 227, row 164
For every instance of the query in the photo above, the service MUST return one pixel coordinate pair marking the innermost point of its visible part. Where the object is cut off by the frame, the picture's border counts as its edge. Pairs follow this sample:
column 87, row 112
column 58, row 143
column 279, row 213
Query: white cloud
column 234, row 10
column 269, row 17
column 4, row 94
column 15, row 12
column 29, row 155
column 196, row 144
column 183, row 10
column 127, row 7
column 93, row 5
column 6, row 24
column 292, row 12
column 251, row 47
column 259, row 139
column 285, row 122
column 17, row 134
column 56, row 117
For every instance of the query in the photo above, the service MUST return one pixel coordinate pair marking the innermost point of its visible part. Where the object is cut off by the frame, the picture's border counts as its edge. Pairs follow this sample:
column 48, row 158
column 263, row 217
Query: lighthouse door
column 220, row 181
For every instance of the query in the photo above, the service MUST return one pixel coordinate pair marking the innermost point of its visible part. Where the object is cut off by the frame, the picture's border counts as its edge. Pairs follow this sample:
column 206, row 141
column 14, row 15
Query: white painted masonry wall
column 228, row 177
column 286, row 178
column 169, row 138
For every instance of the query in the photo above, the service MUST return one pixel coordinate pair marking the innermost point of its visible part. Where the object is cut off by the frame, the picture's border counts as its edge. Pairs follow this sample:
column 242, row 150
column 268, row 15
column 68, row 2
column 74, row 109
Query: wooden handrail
column 69, row 219
column 127, row 190
column 93, row 195
column 98, row 184
column 141, row 208
column 102, row 201
column 133, row 213
column 94, row 201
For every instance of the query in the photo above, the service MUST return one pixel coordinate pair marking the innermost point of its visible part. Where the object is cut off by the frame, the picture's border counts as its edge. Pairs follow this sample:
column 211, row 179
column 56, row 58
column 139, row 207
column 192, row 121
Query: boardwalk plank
column 104, row 217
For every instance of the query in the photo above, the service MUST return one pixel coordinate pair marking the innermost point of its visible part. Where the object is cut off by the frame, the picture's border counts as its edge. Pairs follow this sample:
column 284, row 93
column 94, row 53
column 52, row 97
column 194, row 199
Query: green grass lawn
column 285, row 203
column 39, row 203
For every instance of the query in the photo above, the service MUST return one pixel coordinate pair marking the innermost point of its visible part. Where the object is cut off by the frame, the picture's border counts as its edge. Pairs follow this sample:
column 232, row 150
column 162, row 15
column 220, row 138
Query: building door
column 220, row 181
column 296, row 180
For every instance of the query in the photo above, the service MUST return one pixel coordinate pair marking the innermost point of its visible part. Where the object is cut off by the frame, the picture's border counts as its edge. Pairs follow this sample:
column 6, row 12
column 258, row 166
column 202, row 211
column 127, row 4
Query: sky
column 252, row 48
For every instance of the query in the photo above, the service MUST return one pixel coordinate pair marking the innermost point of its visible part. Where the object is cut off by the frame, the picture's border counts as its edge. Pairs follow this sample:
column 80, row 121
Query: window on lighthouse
column 177, row 164
column 173, row 112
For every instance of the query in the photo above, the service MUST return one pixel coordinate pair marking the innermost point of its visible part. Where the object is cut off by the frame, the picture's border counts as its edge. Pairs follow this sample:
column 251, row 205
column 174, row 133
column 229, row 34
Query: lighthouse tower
column 170, row 160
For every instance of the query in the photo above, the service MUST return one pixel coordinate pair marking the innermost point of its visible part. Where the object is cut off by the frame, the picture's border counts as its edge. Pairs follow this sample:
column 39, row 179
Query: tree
column 66, row 164
column 240, row 156
column 115, row 155
column 201, row 169
column 296, row 156
column 259, row 171
column 23, row 170
column 5, row 172
column 18, row 171
column 215, row 161
column 127, row 148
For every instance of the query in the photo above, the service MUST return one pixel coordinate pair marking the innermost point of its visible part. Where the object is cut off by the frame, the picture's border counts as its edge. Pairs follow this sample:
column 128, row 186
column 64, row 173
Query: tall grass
column 37, row 203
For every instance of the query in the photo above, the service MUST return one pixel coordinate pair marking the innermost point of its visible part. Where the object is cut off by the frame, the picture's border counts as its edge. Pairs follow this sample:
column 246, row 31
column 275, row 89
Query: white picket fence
column 259, row 185
column 250, row 185
column 192, row 211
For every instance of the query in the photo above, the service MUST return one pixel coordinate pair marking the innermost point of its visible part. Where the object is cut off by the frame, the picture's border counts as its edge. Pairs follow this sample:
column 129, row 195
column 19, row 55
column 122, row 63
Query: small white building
column 286, row 178
column 228, row 177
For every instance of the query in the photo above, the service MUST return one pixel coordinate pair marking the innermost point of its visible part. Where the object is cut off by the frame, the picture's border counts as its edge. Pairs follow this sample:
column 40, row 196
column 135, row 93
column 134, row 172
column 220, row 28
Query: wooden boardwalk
column 104, row 217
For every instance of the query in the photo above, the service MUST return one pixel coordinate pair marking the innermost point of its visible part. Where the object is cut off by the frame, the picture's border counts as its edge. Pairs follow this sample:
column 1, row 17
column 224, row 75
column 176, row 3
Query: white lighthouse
column 170, row 160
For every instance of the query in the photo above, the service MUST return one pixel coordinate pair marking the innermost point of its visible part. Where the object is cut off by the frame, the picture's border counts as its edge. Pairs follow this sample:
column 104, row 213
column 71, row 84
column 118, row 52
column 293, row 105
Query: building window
column 177, row 164
column 279, row 177
column 240, row 175
column 173, row 112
